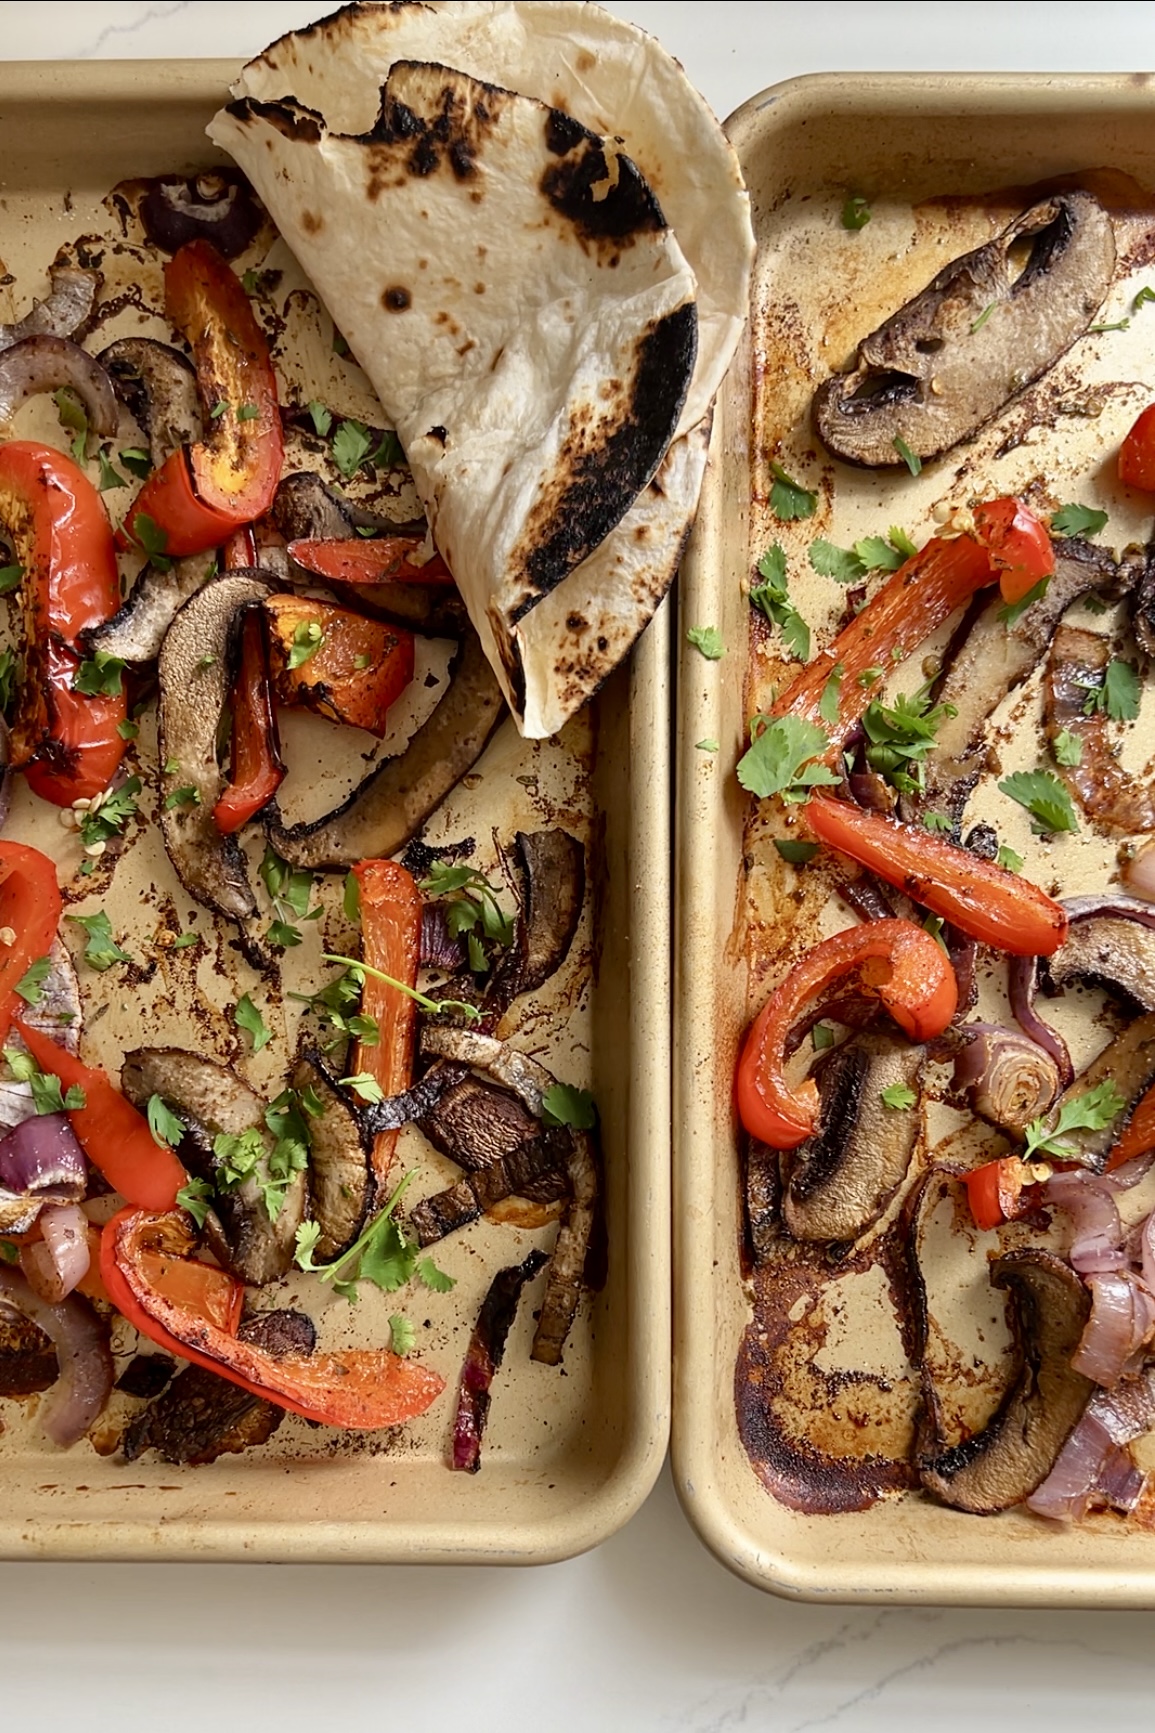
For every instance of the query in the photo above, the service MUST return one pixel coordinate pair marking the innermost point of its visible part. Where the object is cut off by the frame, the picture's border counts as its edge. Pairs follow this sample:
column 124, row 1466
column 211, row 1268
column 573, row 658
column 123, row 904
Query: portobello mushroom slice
column 65, row 310
column 551, row 866
column 989, row 323
column 516, row 1172
column 342, row 1183
column 136, row 631
column 195, row 666
column 211, row 1099
column 200, row 1416
column 841, row 1179
column 394, row 801
column 28, row 1362
column 1114, row 799
column 474, row 1123
column 216, row 205
column 1110, row 943
column 1013, row 1454
column 989, row 658
column 157, row 385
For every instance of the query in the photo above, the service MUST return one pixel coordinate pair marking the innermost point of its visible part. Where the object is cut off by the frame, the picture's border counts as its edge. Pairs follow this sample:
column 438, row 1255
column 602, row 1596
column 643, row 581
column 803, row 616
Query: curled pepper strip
column 908, row 970
column 983, row 900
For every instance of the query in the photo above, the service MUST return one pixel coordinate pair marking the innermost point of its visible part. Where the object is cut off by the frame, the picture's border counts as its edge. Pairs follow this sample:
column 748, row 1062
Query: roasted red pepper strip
column 390, row 941
column 203, row 492
column 384, row 561
column 30, row 909
column 908, row 607
column 995, row 1191
column 203, row 1289
column 983, row 900
column 363, row 1388
column 1137, row 453
column 1019, row 545
column 66, row 742
column 908, row 970
column 256, row 769
column 1139, row 1137
column 113, row 1135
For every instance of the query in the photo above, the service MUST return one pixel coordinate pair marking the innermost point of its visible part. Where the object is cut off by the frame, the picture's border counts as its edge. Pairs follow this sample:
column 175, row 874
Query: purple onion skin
column 42, row 1154
column 82, row 1348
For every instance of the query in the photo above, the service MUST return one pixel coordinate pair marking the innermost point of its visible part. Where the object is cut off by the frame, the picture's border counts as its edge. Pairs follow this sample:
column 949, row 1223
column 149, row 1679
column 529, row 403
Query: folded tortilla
column 621, row 84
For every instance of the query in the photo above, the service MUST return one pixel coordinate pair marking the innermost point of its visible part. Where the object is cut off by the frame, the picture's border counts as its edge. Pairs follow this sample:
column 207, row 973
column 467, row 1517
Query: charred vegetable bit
column 484, row 1355
column 385, row 1254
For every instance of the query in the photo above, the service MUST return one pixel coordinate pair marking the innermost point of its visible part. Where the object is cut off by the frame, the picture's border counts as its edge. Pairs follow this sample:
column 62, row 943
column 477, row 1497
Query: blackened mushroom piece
column 211, row 1099
column 989, row 324
column 341, row 1179
column 65, row 311
column 216, row 205
column 1114, row 799
column 157, row 385
column 202, row 1416
column 136, row 631
column 195, row 668
column 1110, row 943
column 551, row 866
column 484, row 1355
column 28, row 1360
column 506, row 1175
column 305, row 508
column 843, row 1177
column 474, row 1123
column 393, row 802
column 1015, row 1451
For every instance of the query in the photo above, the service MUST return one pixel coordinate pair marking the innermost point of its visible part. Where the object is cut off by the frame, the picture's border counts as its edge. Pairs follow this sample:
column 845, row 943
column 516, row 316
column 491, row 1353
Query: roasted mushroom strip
column 1114, row 799
column 518, row 1172
column 66, row 309
column 136, row 631
column 157, row 385
column 342, row 1183
column 1110, row 943
column 989, row 324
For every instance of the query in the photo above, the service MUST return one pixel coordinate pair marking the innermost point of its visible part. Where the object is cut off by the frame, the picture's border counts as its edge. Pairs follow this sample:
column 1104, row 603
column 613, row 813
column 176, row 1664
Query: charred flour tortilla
column 621, row 84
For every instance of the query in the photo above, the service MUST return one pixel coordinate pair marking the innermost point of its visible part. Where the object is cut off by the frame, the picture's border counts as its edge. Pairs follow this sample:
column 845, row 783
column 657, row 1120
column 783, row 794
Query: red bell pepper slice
column 30, row 909
column 1137, row 453
column 911, row 975
column 1139, row 1137
column 983, row 900
column 995, row 1191
column 1019, row 545
column 363, row 1388
column 391, row 907
column 256, row 768
column 66, row 742
column 909, row 606
column 113, row 1135
column 203, row 1289
column 384, row 561
column 202, row 492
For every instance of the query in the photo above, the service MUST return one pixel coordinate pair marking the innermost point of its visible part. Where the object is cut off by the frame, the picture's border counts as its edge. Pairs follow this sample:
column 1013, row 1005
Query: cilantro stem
column 426, row 1004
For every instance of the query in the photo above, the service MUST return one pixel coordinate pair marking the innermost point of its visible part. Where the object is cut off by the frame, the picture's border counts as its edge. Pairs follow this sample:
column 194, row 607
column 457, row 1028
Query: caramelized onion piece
column 40, row 364
column 81, row 1342
column 1008, row 1078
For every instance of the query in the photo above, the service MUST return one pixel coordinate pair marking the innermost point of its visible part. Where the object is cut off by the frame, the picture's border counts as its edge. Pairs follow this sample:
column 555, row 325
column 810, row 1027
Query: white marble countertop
column 647, row 1633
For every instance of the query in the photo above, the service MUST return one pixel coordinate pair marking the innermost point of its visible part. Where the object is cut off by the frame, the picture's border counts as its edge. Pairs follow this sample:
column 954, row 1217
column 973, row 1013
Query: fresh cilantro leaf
column 364, row 1086
column 47, row 1093
column 831, row 696
column 781, row 758
column 171, row 767
column 351, row 444
column 789, row 500
column 797, row 853
column 1121, row 691
column 361, row 662
column 151, row 538
column 388, row 453
column 402, row 1335
column 427, row 1272
column 870, row 677
column 101, row 949
column 1078, row 520
column 185, row 796
column 284, row 935
column 292, row 886
column 21, row 1064
column 74, row 417
column 109, row 477
column 196, row 1196
column 166, row 1128
column 247, row 1017
column 307, row 640
column 109, row 813
column 913, row 463
column 900, row 736
column 101, row 677
column 933, row 924
column 707, row 746
column 10, row 577
column 473, row 899
column 937, row 821
column 855, row 212
column 357, row 970
column 248, row 412
column 562, row 1104
column 321, row 417
column 897, row 1097
column 772, row 598
column 137, row 461
column 9, row 1254
column 901, row 542
column 128, row 730
column 1141, row 299
column 478, row 961
column 237, row 1156
column 351, row 898
column 841, row 564
column 877, row 554
column 384, row 1253
column 8, row 671
column 217, row 409
column 1115, row 325
column 31, row 983
column 183, row 941
column 1093, row 1110
column 708, row 640
column 1068, row 748
column 1008, row 859
column 1044, row 797
column 821, row 1037
column 977, row 324
column 1011, row 612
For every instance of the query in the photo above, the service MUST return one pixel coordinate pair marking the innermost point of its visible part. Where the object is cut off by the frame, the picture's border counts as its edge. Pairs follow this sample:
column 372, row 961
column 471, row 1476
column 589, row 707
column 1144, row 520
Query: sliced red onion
column 1113, row 908
column 1091, row 1469
column 65, row 1230
column 81, row 1342
column 1122, row 1319
column 40, row 364
column 1023, row 981
column 1009, row 1078
column 1139, row 873
column 1127, row 1411
column 440, row 949
column 1131, row 1172
column 42, row 1155
column 1097, row 1247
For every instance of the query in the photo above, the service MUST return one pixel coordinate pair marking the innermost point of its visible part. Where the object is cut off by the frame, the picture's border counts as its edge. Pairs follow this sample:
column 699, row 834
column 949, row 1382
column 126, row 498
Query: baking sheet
column 944, row 162
column 569, row 1453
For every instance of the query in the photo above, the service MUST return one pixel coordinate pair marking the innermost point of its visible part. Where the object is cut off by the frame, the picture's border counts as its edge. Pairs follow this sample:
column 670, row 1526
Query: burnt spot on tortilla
column 291, row 119
column 479, row 288
column 600, row 473
column 562, row 132
column 312, row 223
column 599, row 201
column 576, row 623
column 457, row 113
column 461, row 159
column 396, row 298
column 439, row 434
